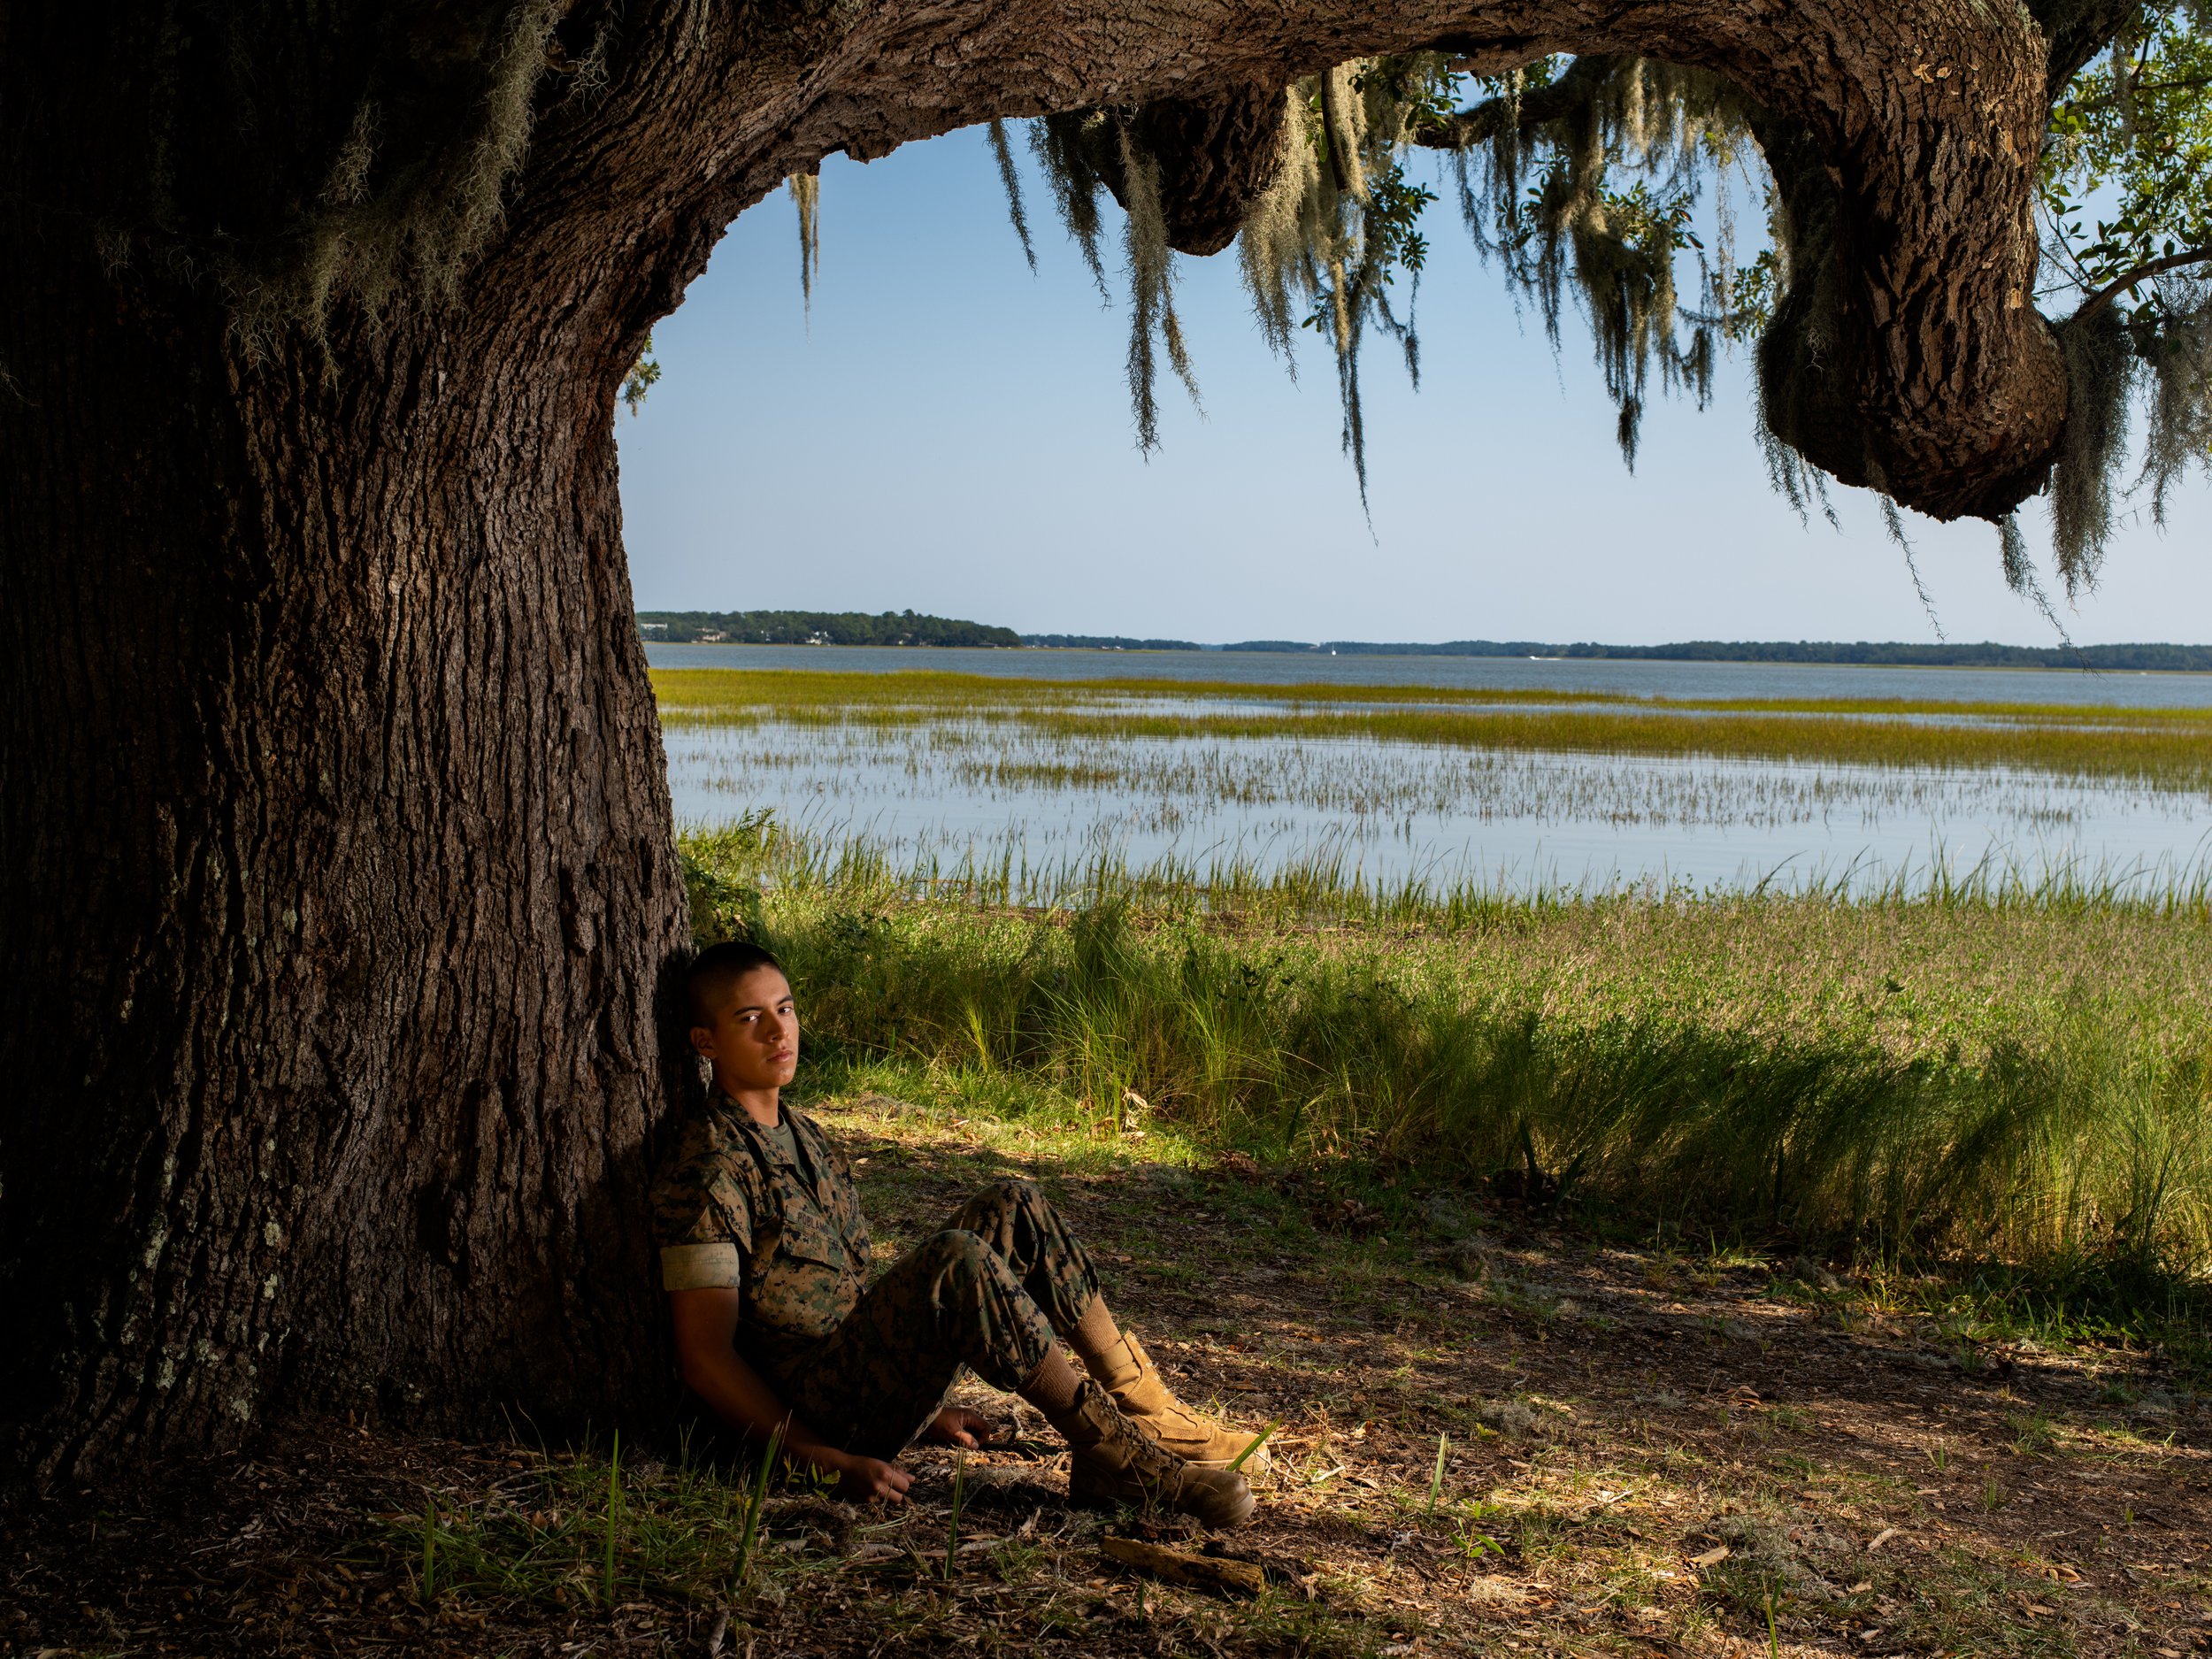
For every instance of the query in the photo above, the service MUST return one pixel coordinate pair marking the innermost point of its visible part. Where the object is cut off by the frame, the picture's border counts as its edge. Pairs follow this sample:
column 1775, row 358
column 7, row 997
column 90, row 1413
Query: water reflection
column 952, row 790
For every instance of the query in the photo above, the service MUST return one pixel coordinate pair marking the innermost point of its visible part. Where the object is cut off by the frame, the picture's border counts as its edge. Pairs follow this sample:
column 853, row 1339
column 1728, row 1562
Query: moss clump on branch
column 363, row 158
column 1587, row 178
column 1322, row 245
column 1151, row 287
column 408, row 202
column 1320, row 240
column 1540, row 164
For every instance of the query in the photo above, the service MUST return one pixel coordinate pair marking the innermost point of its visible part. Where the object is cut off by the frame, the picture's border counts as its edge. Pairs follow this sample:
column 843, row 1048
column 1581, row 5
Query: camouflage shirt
column 771, row 1212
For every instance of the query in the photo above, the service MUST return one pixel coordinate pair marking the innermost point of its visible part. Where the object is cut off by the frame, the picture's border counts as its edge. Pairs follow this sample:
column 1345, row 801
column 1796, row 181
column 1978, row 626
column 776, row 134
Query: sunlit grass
column 2022, row 1076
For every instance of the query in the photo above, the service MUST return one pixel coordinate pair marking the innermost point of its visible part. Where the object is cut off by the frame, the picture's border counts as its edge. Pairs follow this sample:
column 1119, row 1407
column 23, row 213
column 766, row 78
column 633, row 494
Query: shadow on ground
column 1490, row 1436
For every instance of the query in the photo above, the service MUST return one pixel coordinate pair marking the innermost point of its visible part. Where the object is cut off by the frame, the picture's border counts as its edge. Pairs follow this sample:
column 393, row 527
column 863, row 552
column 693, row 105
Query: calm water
column 1512, row 819
column 1629, row 679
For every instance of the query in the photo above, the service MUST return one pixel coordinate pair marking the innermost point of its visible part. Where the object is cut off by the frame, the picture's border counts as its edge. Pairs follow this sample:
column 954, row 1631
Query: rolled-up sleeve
column 703, row 1221
column 712, row 1266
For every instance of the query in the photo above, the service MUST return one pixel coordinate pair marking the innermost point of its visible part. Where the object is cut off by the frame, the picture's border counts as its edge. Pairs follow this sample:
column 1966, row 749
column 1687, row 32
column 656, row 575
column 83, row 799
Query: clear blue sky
column 949, row 432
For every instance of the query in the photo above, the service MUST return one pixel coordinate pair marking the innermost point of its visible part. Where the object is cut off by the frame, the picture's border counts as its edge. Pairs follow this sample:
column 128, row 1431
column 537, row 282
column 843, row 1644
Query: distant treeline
column 818, row 628
column 1892, row 653
column 904, row 627
column 1110, row 642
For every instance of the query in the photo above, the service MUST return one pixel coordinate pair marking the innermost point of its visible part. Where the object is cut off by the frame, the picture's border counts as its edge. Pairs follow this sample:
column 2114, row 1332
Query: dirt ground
column 1643, row 1452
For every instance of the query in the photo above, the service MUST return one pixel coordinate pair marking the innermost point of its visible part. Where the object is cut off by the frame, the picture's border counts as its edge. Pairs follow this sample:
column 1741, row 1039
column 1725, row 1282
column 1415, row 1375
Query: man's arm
column 706, row 1328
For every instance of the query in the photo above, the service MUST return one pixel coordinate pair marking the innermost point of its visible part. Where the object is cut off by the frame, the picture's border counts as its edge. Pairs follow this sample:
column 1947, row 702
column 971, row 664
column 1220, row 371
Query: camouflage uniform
column 773, row 1213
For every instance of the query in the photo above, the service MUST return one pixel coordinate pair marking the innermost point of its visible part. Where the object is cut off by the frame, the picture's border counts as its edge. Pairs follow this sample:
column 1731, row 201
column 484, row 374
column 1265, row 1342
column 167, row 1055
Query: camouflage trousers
column 988, row 1292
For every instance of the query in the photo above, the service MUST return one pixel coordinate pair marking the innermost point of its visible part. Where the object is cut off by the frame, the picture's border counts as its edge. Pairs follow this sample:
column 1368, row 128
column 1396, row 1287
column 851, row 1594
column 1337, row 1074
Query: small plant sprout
column 952, row 1532
column 614, row 1519
column 755, row 1501
column 1258, row 1440
column 1473, row 1544
column 1774, row 1636
column 429, row 1547
column 1436, row 1476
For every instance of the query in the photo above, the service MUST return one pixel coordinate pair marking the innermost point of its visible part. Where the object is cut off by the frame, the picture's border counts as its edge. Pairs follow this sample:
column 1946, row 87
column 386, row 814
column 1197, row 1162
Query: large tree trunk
column 336, row 877
column 336, row 881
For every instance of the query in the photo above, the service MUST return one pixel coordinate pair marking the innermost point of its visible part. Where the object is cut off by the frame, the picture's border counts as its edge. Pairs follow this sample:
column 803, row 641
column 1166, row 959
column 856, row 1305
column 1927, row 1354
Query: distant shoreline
column 2125, row 658
column 2146, row 657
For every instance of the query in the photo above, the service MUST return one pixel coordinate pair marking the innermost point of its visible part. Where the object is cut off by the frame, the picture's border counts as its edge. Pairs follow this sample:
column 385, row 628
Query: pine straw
column 1614, row 1417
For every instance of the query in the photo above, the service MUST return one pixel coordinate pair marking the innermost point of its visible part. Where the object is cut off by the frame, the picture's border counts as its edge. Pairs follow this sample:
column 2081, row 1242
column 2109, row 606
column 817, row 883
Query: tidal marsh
column 2164, row 747
column 1519, row 789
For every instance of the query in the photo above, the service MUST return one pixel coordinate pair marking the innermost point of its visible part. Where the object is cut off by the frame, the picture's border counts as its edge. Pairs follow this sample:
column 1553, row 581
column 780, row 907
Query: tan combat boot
column 1146, row 1400
column 1111, row 1462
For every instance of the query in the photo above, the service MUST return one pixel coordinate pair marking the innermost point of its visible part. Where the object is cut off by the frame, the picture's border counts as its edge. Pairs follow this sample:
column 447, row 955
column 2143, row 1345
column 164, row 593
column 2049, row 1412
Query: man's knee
column 969, row 1276
column 1009, row 1197
column 957, row 1250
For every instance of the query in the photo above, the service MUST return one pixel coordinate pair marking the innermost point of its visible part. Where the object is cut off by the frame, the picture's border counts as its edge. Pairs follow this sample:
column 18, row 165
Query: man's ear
column 702, row 1041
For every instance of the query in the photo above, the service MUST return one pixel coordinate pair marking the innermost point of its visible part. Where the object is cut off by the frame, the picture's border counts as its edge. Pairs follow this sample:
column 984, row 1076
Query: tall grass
column 1322, row 885
column 2022, row 1075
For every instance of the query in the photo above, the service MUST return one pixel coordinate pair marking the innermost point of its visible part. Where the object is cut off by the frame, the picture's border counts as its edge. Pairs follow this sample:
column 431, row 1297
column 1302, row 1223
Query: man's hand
column 952, row 1426
column 706, row 1323
column 869, row 1480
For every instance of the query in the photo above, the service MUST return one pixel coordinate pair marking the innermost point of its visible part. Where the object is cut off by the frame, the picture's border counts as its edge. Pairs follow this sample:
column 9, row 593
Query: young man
column 764, row 1258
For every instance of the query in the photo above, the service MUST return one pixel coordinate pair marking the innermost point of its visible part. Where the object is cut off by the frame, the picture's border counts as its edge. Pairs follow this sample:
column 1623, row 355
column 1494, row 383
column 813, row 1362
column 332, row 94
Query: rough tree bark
column 337, row 876
column 336, row 881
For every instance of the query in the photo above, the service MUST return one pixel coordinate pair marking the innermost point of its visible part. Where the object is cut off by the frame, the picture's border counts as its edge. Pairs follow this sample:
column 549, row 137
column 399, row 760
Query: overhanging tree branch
column 2140, row 274
column 1484, row 121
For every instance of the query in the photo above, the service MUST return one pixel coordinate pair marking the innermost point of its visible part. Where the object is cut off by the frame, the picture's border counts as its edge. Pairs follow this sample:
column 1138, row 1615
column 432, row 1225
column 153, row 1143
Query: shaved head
column 717, row 970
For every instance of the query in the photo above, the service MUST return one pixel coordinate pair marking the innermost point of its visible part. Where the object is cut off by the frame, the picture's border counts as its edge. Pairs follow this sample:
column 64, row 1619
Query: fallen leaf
column 1881, row 1538
column 1711, row 1558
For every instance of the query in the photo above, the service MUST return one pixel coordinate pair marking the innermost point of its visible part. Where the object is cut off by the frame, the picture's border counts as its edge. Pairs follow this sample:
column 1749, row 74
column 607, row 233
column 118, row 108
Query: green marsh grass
column 2161, row 749
column 2016, row 1076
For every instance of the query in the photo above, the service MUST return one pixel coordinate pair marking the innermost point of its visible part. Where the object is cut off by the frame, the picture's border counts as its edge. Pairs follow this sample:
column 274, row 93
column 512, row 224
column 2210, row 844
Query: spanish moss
column 2174, row 346
column 1057, row 141
column 1893, row 522
column 1151, row 289
column 1010, row 180
column 2099, row 370
column 402, row 213
column 806, row 196
column 1596, row 182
